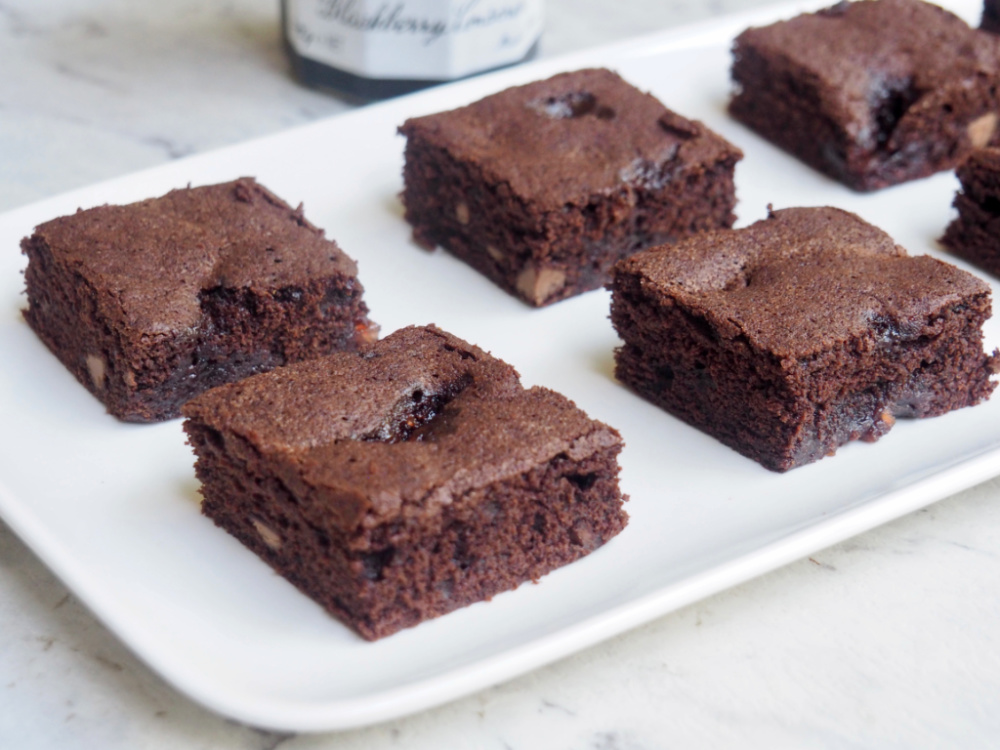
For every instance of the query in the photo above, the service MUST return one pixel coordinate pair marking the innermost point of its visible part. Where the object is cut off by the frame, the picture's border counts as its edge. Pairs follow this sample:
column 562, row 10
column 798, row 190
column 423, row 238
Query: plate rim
column 452, row 684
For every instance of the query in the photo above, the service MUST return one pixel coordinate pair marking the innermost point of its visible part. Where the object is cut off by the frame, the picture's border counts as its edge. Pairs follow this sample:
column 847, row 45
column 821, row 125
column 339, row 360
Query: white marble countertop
column 888, row 640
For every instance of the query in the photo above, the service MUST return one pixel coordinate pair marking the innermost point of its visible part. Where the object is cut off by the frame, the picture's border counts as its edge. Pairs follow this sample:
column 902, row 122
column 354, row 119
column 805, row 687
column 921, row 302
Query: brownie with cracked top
column 975, row 233
column 150, row 303
column 799, row 333
column 873, row 92
column 405, row 481
column 543, row 187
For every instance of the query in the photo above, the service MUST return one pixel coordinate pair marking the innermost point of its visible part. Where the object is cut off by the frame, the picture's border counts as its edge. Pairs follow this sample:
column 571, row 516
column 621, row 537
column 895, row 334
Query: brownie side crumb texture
column 543, row 187
column 406, row 481
column 148, row 304
column 800, row 333
column 871, row 93
column 975, row 233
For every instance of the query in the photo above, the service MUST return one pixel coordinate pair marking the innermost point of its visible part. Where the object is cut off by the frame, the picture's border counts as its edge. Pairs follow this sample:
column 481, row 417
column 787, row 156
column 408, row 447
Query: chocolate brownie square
column 872, row 93
column 975, row 233
column 543, row 187
column 407, row 481
column 790, row 337
column 150, row 303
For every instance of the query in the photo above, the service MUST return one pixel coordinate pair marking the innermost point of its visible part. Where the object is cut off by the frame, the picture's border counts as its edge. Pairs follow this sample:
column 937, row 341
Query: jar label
column 413, row 39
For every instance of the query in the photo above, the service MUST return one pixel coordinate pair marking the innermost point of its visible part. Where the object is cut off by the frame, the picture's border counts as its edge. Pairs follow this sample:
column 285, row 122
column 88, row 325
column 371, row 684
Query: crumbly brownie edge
column 748, row 401
column 144, row 377
column 767, row 100
column 398, row 574
column 545, row 256
column 974, row 235
column 66, row 312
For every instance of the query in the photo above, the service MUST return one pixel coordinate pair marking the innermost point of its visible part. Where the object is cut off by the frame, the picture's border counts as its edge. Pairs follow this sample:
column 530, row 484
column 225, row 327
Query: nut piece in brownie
column 543, row 187
column 151, row 303
column 872, row 93
column 406, row 481
column 975, row 233
column 799, row 333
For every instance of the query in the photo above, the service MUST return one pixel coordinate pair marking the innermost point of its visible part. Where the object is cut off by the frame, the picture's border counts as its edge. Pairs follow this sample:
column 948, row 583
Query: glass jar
column 373, row 49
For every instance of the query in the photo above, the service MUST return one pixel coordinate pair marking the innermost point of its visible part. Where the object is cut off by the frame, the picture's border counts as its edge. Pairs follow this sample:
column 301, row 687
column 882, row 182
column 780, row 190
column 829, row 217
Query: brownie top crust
column 803, row 281
column 152, row 259
column 399, row 429
column 561, row 140
column 896, row 58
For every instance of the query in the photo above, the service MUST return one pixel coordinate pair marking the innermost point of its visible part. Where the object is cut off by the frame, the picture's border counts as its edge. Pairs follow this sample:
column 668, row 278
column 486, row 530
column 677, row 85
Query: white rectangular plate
column 113, row 508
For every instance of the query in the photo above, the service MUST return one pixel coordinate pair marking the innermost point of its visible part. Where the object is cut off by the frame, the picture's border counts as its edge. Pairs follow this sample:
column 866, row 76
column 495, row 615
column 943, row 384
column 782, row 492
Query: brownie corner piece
column 872, row 92
column 974, row 234
column 543, row 187
column 405, row 481
column 149, row 303
column 799, row 333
